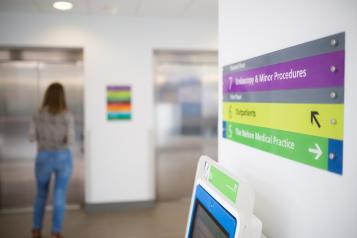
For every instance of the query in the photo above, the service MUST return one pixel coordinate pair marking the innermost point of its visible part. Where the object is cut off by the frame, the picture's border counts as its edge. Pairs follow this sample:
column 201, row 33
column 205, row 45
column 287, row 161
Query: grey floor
column 165, row 220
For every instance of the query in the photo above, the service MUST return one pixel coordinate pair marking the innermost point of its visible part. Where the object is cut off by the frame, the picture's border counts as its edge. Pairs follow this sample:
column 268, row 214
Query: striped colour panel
column 118, row 103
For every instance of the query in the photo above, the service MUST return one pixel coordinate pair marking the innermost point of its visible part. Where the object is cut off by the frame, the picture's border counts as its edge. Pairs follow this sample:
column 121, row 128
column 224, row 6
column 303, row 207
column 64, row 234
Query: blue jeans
column 60, row 164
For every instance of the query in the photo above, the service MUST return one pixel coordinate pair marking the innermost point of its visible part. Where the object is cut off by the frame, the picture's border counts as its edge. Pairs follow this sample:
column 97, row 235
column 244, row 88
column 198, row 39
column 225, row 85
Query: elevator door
column 186, row 87
column 22, row 86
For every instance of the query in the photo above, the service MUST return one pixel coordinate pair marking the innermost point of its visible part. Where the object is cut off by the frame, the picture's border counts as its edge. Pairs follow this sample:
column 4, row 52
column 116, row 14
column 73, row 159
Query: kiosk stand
column 222, row 205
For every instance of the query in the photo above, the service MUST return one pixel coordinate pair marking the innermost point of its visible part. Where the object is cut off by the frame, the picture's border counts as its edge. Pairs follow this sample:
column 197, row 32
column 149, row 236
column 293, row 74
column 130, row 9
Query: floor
column 166, row 220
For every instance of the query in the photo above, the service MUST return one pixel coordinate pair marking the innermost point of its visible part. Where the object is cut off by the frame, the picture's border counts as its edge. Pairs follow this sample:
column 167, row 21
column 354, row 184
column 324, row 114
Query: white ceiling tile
column 17, row 6
column 150, row 8
column 163, row 8
column 203, row 8
column 115, row 7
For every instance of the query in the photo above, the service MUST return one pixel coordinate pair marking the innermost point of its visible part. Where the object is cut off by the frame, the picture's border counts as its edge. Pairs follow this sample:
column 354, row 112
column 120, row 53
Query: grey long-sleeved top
column 52, row 132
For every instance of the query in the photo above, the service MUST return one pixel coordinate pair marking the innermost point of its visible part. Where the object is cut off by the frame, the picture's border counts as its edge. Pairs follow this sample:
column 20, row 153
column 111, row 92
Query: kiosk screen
column 205, row 226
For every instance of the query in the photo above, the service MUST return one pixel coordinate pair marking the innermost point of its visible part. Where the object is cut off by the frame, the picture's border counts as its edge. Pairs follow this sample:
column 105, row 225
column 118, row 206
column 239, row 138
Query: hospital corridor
column 178, row 119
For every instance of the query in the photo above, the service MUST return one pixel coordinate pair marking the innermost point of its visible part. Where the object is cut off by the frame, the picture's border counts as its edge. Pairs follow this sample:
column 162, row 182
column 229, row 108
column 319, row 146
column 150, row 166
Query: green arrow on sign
column 317, row 151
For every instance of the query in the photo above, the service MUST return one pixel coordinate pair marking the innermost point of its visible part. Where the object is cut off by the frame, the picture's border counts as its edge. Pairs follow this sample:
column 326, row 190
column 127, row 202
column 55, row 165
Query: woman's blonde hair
column 54, row 100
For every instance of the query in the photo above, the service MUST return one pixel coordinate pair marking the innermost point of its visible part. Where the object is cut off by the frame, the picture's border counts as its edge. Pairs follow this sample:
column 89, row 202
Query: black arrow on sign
column 313, row 118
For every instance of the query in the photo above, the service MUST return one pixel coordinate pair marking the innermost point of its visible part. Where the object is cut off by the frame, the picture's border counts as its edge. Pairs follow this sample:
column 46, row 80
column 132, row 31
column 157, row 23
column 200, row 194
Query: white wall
column 119, row 50
column 294, row 200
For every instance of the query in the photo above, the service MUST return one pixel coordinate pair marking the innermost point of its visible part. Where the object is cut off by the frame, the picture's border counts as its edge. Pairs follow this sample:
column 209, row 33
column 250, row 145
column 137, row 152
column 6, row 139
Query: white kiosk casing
column 232, row 193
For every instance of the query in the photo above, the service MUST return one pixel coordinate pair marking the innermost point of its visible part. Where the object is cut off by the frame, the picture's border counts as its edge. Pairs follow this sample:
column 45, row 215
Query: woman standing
column 53, row 129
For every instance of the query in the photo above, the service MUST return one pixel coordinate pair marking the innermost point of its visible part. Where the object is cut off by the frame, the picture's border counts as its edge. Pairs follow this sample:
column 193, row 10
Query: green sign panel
column 311, row 150
column 224, row 183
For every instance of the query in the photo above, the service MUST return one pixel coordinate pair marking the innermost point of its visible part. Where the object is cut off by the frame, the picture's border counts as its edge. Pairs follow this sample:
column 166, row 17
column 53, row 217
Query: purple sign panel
column 320, row 71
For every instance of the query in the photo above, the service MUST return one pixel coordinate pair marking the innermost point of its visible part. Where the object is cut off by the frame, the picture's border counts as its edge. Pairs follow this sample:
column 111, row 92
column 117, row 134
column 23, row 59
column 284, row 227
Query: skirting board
column 118, row 207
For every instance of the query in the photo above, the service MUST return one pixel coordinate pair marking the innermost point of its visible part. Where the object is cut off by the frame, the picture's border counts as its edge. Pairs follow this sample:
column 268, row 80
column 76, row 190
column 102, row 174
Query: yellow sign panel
column 323, row 120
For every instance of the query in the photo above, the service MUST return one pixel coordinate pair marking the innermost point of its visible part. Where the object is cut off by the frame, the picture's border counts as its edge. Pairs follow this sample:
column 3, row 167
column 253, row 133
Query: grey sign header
column 327, row 44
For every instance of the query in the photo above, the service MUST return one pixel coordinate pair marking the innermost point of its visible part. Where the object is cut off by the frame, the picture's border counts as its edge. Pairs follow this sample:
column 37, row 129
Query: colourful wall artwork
column 118, row 103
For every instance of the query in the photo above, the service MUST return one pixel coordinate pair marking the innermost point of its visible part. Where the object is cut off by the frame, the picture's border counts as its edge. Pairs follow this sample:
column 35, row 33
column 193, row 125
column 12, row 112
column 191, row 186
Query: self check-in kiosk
column 222, row 205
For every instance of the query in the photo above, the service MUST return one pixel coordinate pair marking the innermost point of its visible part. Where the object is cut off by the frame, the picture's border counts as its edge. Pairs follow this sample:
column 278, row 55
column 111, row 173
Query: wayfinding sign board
column 290, row 102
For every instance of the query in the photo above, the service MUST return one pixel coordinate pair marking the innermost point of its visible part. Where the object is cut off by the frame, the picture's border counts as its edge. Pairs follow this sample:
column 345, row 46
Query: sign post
column 290, row 102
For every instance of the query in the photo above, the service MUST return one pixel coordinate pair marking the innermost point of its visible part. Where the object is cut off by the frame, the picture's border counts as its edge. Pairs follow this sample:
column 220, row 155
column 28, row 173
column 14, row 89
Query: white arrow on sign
column 317, row 151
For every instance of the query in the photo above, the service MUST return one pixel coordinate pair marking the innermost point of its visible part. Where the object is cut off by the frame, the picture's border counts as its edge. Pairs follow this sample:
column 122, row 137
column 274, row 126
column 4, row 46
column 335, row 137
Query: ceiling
column 140, row 8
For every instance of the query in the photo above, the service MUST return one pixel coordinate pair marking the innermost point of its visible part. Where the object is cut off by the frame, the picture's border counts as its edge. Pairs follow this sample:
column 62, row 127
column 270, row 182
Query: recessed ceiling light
column 63, row 6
